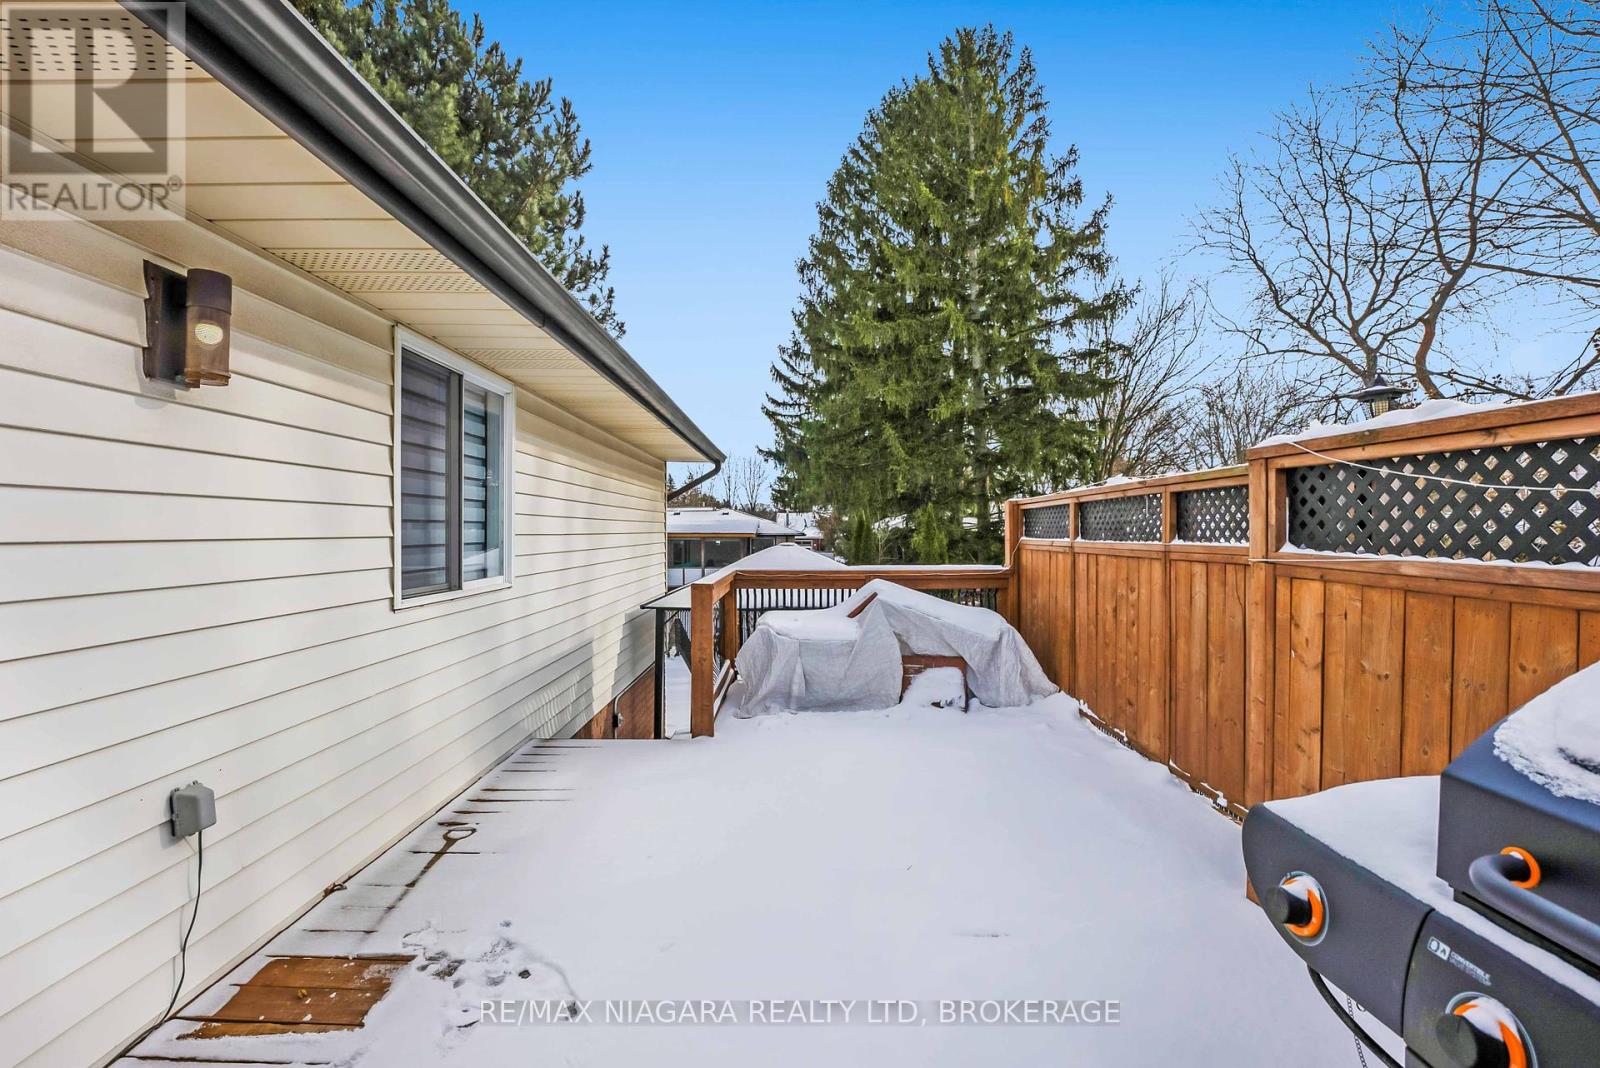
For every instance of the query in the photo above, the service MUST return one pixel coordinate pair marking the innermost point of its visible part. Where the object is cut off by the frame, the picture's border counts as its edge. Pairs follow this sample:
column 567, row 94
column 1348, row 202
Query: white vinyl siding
column 199, row 585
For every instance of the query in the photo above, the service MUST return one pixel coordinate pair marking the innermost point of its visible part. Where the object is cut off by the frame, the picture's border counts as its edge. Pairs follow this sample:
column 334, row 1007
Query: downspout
column 692, row 483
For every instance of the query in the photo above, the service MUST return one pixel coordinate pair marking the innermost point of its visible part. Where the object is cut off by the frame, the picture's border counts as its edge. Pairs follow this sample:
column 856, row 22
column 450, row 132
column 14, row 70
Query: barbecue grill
column 1461, row 911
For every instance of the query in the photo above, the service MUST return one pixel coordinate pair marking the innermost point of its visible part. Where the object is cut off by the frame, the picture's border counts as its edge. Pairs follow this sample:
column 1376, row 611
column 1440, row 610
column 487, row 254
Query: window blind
column 426, row 418
column 481, row 521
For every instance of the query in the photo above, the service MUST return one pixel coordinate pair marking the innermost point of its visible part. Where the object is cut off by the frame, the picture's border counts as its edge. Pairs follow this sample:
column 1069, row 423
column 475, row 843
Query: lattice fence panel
column 1049, row 521
column 1121, row 519
column 1391, row 512
column 1217, row 516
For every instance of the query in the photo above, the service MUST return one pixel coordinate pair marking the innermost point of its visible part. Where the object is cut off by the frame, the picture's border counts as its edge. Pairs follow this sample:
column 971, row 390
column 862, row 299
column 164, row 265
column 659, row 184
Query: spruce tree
column 941, row 329
column 517, row 147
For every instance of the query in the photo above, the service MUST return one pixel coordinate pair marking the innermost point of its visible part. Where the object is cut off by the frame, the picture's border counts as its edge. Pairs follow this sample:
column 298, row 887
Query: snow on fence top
column 1425, row 412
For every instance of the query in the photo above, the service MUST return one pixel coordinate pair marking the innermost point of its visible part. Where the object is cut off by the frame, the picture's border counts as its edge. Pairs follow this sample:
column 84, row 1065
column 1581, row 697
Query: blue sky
column 715, row 127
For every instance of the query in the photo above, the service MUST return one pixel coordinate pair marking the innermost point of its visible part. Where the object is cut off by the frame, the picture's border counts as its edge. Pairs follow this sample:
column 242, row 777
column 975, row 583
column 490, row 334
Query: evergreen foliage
column 940, row 335
column 861, row 544
column 519, row 149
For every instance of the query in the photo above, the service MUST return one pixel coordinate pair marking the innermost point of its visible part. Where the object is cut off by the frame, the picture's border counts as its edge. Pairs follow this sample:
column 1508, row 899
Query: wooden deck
column 919, row 854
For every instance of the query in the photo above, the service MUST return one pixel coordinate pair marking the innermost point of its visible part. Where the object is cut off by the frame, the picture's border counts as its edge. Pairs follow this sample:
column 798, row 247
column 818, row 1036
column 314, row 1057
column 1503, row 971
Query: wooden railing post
column 702, row 665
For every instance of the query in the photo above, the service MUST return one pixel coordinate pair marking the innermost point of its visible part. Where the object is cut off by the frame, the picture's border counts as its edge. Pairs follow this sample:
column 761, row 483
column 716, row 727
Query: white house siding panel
column 197, row 585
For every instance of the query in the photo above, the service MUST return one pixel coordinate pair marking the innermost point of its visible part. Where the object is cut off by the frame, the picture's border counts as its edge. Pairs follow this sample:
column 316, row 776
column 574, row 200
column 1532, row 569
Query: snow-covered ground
column 913, row 855
column 676, row 695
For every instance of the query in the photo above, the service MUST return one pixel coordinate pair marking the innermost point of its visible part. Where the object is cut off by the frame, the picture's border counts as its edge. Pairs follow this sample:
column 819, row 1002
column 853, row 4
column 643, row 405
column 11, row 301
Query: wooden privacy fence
column 1354, row 606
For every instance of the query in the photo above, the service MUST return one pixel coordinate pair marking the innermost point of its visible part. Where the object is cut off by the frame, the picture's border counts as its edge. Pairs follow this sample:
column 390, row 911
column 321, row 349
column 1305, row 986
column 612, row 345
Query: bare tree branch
column 1156, row 357
column 1247, row 404
column 1387, row 221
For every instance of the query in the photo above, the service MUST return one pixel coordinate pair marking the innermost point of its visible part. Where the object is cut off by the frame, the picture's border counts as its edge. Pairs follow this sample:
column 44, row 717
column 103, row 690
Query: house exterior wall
column 197, row 585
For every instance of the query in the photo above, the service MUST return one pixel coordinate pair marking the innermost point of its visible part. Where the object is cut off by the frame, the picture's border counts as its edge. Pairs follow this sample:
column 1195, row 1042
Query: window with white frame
column 453, row 451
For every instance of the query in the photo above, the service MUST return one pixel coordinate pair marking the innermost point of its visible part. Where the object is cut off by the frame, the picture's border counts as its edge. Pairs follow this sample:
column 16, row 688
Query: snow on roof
column 785, row 558
column 782, row 557
column 806, row 522
column 724, row 521
column 898, row 522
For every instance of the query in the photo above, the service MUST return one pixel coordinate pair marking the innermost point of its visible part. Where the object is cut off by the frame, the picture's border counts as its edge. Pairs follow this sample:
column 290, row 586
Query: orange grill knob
column 1299, row 904
column 1313, row 926
column 1480, row 1032
column 1534, row 873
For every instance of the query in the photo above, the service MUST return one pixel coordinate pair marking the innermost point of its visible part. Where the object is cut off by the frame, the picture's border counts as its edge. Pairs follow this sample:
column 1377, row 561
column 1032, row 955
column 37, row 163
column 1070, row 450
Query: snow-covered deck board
column 917, row 854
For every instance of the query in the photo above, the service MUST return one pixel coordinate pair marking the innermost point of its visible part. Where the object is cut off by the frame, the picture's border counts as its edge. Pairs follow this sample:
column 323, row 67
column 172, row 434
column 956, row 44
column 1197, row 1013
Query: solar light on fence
column 1378, row 395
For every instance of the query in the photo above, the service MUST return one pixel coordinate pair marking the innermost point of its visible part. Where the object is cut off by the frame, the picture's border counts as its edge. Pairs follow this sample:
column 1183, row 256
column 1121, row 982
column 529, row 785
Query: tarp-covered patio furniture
column 851, row 655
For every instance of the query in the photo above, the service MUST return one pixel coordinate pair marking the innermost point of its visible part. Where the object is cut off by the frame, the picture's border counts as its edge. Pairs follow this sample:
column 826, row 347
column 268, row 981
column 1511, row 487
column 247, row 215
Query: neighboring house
column 411, row 531
column 702, row 540
column 807, row 523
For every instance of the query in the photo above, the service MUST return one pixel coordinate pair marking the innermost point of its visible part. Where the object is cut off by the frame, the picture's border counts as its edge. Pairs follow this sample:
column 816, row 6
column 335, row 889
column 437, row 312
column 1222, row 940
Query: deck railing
column 1386, row 595
column 716, row 600
column 755, row 603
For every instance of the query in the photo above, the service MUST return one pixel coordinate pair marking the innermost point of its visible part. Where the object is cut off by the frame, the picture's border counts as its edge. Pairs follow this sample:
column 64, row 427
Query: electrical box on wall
column 194, row 808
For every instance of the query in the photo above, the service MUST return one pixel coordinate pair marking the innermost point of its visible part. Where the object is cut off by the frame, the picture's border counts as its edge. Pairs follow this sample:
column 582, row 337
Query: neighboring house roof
column 405, row 235
column 805, row 522
column 729, row 521
column 783, row 557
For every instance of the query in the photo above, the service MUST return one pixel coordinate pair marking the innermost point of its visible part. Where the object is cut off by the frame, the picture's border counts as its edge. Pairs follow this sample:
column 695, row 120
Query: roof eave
column 268, row 55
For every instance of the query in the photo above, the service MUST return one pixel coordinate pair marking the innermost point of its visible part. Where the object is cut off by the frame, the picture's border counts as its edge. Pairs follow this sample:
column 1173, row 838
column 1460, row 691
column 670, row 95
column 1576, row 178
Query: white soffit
column 250, row 180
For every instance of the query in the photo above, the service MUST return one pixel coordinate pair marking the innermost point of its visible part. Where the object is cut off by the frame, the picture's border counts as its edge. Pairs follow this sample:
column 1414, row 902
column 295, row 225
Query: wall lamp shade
column 188, row 325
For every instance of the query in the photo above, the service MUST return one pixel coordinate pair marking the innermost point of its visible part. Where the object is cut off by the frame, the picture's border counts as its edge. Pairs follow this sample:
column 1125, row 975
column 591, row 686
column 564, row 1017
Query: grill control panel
column 1350, row 926
column 1472, row 1004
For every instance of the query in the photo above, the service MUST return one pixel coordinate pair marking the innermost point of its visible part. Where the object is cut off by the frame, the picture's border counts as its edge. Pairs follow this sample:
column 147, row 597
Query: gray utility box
column 194, row 808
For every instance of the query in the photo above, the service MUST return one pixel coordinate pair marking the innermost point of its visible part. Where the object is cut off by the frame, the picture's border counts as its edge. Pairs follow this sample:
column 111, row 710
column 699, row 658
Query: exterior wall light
column 188, row 326
column 1378, row 395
